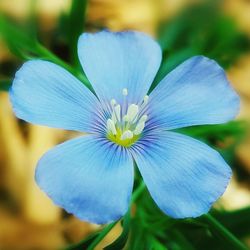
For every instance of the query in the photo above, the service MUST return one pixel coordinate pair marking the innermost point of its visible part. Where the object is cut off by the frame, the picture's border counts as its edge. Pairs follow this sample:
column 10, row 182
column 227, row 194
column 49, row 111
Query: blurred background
column 50, row 28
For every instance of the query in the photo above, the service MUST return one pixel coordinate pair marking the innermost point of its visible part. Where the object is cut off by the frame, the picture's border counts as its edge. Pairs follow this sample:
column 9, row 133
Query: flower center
column 127, row 121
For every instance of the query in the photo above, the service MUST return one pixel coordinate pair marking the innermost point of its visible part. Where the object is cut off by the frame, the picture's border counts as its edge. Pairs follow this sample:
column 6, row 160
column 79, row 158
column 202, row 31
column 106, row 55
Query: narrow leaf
column 121, row 241
column 5, row 84
column 84, row 244
column 76, row 25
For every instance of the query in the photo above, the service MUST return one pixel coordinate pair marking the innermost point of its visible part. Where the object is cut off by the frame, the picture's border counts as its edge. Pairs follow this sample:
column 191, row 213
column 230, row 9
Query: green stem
column 107, row 229
column 225, row 233
column 138, row 192
column 76, row 23
column 101, row 236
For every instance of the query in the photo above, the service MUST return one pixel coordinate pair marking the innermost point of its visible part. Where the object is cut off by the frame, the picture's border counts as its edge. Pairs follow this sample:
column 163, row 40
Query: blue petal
column 195, row 93
column 184, row 176
column 46, row 94
column 113, row 61
column 89, row 177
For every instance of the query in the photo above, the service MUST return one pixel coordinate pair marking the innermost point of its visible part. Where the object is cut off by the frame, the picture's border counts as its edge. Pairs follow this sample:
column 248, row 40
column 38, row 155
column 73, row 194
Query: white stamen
column 113, row 102
column 143, row 118
column 139, row 127
column 132, row 112
column 145, row 99
column 111, row 126
column 128, row 134
column 125, row 92
column 113, row 117
column 125, row 118
column 118, row 112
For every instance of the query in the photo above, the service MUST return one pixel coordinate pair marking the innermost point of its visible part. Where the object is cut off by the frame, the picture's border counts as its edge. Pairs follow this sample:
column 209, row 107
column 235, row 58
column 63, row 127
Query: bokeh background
column 217, row 29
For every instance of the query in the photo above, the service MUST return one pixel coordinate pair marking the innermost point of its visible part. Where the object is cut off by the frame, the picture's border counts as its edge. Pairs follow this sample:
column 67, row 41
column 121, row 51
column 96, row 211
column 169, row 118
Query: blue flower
column 92, row 176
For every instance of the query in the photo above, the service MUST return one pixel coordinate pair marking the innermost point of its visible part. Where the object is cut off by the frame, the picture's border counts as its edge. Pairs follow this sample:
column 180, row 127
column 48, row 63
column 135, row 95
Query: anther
column 128, row 134
column 143, row 118
column 113, row 102
column 139, row 127
column 125, row 118
column 132, row 112
column 145, row 99
column 111, row 126
column 118, row 112
column 126, row 125
column 125, row 92
column 113, row 118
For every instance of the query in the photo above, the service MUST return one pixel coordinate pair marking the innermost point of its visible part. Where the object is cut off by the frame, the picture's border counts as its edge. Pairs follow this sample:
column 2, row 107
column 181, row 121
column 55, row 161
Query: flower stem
column 107, row 229
column 224, row 232
column 101, row 236
column 138, row 192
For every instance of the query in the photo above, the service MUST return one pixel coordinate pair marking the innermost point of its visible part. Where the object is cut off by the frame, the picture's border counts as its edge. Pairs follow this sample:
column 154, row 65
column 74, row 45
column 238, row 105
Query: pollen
column 125, row 92
column 127, row 121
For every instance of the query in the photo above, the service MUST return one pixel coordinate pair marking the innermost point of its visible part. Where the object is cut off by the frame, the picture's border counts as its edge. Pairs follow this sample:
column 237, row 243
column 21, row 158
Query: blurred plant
column 200, row 29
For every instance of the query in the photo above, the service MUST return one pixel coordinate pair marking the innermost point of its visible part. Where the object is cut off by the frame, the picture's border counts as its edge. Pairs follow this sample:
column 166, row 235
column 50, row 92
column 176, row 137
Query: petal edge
column 183, row 175
column 89, row 177
column 195, row 93
column 113, row 61
column 46, row 94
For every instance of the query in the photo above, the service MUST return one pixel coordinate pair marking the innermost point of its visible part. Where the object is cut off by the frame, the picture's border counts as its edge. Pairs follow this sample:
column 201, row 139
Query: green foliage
column 19, row 43
column 220, row 132
column 27, row 47
column 237, row 221
column 5, row 84
column 76, row 23
column 121, row 241
column 200, row 30
column 224, row 137
column 151, row 229
column 84, row 244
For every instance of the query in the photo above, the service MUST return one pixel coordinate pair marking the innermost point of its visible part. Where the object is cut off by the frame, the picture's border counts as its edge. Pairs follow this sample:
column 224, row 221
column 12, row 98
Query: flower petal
column 89, row 177
column 195, row 93
column 184, row 176
column 46, row 94
column 113, row 61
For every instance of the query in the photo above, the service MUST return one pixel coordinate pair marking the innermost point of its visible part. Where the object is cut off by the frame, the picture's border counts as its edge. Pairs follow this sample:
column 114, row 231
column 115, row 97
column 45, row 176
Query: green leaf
column 207, row 30
column 32, row 20
column 20, row 43
column 101, row 235
column 219, row 132
column 26, row 47
column 181, row 240
column 84, row 244
column 5, row 84
column 226, row 236
column 121, row 241
column 200, row 29
column 170, row 62
column 76, row 23
column 157, row 245
column 237, row 221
